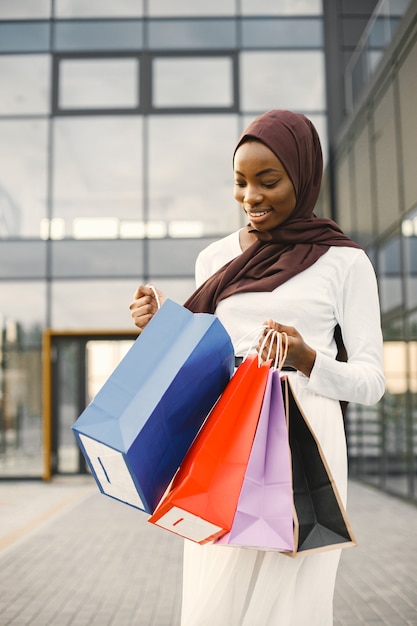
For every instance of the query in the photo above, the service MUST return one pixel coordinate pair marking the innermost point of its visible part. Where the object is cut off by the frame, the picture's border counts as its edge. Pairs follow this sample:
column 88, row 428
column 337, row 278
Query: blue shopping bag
column 136, row 431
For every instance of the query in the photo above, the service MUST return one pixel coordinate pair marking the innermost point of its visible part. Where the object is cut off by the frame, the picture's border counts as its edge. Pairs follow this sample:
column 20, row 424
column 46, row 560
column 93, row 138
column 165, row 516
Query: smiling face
column 262, row 186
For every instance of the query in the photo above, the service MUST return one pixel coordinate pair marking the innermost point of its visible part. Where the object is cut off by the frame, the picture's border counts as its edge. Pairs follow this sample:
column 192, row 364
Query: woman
column 304, row 277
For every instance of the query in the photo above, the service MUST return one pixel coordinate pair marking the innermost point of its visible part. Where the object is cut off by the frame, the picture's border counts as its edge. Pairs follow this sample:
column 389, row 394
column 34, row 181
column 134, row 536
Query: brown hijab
column 301, row 239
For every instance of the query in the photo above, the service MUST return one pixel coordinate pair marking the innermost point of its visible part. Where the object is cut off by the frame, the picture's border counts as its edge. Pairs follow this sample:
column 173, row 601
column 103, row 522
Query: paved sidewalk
column 71, row 556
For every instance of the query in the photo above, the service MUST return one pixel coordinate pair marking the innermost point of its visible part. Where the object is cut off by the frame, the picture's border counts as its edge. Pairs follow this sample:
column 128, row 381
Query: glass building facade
column 117, row 125
column 377, row 203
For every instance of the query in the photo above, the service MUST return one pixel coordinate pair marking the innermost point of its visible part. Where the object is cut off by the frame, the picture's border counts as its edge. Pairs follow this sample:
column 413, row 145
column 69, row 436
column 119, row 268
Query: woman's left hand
column 299, row 355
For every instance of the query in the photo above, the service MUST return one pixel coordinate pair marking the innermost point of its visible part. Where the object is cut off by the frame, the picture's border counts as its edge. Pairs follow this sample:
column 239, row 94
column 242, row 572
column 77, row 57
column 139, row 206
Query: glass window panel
column 19, row 297
column 395, row 440
column 175, row 81
column 23, row 177
column 25, row 84
column 98, row 8
column 86, row 304
column 395, row 366
column 98, row 83
column 24, row 9
column 409, row 230
column 386, row 158
column 73, row 259
column 94, row 35
column 362, row 166
column 320, row 124
column 97, row 169
column 407, row 91
column 282, row 80
column 192, row 34
column 22, row 259
column 390, row 275
column 282, row 33
column 281, row 7
column 174, row 257
column 93, row 304
column 165, row 8
column 196, row 182
column 24, row 37
column 178, row 289
column 343, row 193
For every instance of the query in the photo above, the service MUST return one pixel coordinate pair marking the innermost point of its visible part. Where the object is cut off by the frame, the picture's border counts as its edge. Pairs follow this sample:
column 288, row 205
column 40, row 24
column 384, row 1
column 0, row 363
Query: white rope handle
column 270, row 335
column 158, row 302
column 246, row 335
column 281, row 351
column 281, row 340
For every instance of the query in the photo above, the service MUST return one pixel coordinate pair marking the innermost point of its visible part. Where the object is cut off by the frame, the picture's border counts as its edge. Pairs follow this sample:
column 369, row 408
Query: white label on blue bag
column 111, row 472
column 187, row 525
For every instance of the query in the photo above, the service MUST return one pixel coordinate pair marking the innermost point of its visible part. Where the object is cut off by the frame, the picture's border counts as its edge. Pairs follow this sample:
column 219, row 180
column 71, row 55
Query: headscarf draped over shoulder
column 301, row 239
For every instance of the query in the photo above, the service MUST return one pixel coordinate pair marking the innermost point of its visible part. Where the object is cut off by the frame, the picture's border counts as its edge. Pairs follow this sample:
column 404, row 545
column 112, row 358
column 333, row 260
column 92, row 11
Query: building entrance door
column 76, row 365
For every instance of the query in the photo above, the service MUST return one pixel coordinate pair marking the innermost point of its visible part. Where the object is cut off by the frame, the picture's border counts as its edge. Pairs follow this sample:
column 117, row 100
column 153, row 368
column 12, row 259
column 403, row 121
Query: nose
column 252, row 195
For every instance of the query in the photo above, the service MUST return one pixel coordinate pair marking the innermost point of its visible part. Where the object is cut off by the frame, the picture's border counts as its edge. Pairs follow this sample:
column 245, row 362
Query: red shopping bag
column 264, row 514
column 201, row 501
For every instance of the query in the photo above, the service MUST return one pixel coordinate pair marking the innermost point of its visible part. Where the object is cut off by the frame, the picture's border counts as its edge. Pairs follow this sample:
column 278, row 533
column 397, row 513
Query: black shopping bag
column 320, row 520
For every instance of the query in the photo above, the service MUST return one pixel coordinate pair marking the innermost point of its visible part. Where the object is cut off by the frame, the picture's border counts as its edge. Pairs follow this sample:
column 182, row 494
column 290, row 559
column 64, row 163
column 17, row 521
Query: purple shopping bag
column 265, row 510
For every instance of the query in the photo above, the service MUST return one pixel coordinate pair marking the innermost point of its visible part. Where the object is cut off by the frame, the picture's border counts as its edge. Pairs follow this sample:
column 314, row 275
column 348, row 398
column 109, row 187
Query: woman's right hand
column 145, row 305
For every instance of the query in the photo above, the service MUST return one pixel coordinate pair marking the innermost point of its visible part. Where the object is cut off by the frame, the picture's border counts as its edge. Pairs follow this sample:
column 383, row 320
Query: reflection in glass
column 24, row 9
column 98, row 83
column 178, row 289
column 19, row 297
column 409, row 232
column 96, row 258
column 96, row 35
column 93, row 304
column 24, row 36
column 24, row 84
column 196, row 182
column 203, row 34
column 22, row 320
column 395, row 366
column 282, row 33
column 282, row 80
column 390, row 278
column 22, row 259
column 192, row 82
column 281, row 7
column 98, row 8
column 97, row 168
column 174, row 257
column 362, row 180
column 23, row 186
column 102, row 358
column 165, row 8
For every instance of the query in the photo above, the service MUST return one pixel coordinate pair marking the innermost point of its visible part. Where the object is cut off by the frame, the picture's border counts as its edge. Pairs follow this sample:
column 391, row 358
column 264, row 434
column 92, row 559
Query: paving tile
column 70, row 556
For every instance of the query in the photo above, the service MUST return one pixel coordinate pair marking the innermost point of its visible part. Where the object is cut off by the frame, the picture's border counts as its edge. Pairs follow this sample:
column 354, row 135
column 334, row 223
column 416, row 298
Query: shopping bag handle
column 282, row 345
column 281, row 339
column 257, row 330
column 155, row 293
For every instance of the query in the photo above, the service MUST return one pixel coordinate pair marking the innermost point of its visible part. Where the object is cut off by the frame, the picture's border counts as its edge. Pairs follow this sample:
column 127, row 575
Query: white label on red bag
column 187, row 525
column 111, row 472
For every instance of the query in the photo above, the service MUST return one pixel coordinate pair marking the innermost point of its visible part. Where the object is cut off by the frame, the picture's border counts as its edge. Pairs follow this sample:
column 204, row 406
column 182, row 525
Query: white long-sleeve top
column 340, row 288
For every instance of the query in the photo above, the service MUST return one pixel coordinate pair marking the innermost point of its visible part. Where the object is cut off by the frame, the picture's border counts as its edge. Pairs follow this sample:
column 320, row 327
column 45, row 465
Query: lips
column 258, row 213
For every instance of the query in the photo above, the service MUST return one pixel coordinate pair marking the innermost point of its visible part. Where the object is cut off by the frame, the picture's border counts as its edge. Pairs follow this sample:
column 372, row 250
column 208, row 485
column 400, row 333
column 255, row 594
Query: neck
column 246, row 239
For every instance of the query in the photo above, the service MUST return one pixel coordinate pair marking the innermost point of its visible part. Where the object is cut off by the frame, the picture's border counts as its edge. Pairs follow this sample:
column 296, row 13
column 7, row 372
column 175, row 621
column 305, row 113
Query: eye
column 240, row 183
column 271, row 185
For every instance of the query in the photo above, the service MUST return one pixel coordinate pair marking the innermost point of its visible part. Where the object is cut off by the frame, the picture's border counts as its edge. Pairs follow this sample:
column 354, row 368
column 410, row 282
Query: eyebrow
column 268, row 170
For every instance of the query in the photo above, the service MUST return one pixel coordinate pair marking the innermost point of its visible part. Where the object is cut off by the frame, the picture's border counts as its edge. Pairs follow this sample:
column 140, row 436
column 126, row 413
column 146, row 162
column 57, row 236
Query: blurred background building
column 118, row 119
